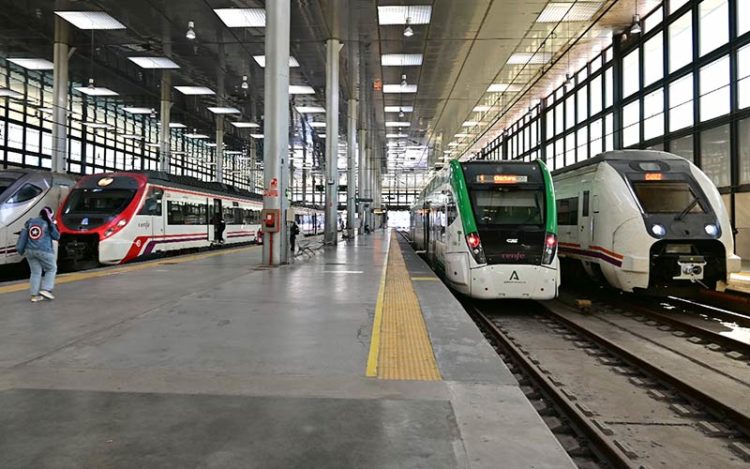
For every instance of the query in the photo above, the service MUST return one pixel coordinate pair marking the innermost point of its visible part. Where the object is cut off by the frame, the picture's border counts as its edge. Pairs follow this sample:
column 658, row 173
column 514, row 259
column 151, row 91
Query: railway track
column 639, row 395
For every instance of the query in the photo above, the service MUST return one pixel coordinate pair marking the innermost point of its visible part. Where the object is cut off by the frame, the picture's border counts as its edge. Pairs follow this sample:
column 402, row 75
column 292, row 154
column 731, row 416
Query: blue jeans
column 42, row 261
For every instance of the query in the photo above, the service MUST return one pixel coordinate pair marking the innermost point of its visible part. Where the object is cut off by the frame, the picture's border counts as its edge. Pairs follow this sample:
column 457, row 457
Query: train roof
column 619, row 155
column 161, row 177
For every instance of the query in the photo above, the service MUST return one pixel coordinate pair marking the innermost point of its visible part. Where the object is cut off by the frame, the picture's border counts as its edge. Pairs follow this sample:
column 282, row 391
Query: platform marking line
column 424, row 279
column 106, row 272
column 373, row 356
column 405, row 348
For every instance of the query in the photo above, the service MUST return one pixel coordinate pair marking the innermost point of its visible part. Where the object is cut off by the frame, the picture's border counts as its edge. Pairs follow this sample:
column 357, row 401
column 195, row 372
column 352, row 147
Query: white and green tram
column 490, row 229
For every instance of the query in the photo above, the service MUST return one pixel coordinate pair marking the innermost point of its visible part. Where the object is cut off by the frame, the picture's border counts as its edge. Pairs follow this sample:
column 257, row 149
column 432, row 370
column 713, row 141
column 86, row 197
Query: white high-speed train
column 23, row 193
column 644, row 220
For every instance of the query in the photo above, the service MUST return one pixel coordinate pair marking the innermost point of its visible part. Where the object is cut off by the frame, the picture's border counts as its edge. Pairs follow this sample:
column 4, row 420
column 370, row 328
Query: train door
column 159, row 222
column 153, row 222
column 584, row 220
column 426, row 226
column 215, row 214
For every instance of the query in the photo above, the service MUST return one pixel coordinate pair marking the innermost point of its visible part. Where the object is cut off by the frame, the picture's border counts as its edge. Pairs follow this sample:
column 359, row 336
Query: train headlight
column 475, row 246
column 658, row 230
column 550, row 247
column 712, row 230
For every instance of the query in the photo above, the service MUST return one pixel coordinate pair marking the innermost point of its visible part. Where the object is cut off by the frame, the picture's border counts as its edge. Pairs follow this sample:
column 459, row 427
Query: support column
column 164, row 114
column 351, row 133
column 219, row 158
column 333, row 46
column 219, row 148
column 276, row 130
column 60, row 95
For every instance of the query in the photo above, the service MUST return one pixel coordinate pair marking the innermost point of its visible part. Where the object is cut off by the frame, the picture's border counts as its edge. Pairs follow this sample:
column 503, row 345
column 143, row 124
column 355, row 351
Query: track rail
column 602, row 445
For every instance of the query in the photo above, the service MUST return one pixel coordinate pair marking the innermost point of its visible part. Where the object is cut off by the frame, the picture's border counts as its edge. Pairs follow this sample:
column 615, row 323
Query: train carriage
column 490, row 229
column 644, row 220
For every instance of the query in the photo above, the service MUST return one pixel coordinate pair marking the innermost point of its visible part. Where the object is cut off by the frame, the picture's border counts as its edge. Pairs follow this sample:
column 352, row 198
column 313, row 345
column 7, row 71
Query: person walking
column 293, row 232
column 35, row 243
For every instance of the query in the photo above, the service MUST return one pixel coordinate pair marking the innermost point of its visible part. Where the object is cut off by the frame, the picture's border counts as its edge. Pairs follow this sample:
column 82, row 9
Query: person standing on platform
column 219, row 226
column 35, row 243
column 293, row 232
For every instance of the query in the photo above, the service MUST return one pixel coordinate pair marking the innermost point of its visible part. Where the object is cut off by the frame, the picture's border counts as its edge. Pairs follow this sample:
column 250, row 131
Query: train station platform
column 357, row 357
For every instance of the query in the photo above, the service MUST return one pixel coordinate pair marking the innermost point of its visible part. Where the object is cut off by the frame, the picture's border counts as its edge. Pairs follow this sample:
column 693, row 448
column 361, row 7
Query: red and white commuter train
column 114, row 218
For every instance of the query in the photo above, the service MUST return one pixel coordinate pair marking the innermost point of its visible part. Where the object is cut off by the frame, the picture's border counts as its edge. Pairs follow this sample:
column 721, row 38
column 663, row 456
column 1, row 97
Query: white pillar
column 60, row 95
column 164, row 114
column 219, row 148
column 276, row 130
column 333, row 46
column 351, row 168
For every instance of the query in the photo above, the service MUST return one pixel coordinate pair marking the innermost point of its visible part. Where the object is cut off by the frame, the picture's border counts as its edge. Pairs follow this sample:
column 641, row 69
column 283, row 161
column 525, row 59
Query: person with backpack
column 35, row 243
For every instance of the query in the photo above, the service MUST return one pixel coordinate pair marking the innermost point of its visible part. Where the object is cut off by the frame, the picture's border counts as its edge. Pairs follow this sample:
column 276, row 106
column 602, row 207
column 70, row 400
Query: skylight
column 482, row 108
column 90, row 19
column 242, row 17
column 400, row 60
column 503, row 88
column 555, row 12
column 245, row 125
column 224, row 110
column 522, row 58
column 397, row 14
column 398, row 88
column 154, row 62
column 301, row 89
column 261, row 60
column 399, row 109
column 33, row 64
column 194, row 90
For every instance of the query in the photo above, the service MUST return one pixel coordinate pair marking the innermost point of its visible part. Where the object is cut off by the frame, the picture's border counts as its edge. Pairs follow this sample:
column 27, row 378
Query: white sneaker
column 36, row 299
column 47, row 294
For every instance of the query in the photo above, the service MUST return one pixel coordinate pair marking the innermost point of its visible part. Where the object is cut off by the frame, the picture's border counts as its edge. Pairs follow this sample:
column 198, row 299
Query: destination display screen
column 501, row 179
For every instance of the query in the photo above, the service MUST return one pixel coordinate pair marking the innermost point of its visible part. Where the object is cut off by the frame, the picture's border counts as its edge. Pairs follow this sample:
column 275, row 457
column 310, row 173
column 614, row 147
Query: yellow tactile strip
column 405, row 348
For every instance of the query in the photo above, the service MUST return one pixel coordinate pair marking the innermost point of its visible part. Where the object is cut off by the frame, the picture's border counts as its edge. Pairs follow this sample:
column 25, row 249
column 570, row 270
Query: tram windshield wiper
column 687, row 209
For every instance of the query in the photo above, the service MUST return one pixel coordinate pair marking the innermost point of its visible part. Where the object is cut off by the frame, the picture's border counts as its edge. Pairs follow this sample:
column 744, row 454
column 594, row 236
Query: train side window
column 567, row 211
column 585, row 209
column 24, row 194
column 152, row 204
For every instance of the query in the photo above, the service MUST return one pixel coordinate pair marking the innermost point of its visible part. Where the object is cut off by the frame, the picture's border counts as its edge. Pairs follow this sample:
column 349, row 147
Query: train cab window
column 585, row 208
column 667, row 197
column 152, row 204
column 513, row 207
column 24, row 194
column 567, row 211
column 110, row 201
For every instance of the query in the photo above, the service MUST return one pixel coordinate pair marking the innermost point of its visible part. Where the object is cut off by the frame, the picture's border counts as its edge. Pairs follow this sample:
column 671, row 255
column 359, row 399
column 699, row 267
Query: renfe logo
column 514, row 276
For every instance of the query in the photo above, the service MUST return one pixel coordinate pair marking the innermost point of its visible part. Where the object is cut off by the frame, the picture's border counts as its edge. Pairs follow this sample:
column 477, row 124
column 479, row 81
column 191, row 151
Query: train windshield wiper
column 687, row 209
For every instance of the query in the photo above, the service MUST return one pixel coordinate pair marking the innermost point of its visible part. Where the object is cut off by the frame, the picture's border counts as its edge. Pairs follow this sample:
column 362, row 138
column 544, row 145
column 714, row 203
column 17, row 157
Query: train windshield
column 667, row 197
column 508, row 206
column 109, row 201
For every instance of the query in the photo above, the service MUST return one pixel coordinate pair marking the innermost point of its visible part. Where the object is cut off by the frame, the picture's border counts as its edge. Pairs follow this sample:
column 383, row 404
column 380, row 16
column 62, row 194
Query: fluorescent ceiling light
column 196, row 136
column 256, row 135
column 301, row 89
column 399, row 109
column 176, row 125
column 397, row 124
column 97, row 125
column 242, row 17
column 568, row 11
column 154, row 62
column 90, row 19
column 317, row 125
column 322, row 135
column 396, row 135
column 523, row 58
column 397, row 14
column 194, row 90
column 503, row 87
column 462, row 135
column 224, row 110
column 470, row 124
column 33, row 64
column 261, row 60
column 310, row 109
column 95, row 91
column 137, row 110
column 400, row 60
column 8, row 93
column 482, row 108
column 397, row 88
column 245, row 125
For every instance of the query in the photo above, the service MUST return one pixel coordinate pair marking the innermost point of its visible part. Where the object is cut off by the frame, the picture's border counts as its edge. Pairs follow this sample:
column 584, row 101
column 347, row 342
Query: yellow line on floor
column 424, row 279
column 78, row 276
column 405, row 348
column 372, row 357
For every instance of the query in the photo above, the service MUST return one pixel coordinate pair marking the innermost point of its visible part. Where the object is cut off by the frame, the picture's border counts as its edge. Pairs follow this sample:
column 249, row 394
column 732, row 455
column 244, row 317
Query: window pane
column 715, row 155
column 609, row 132
column 630, row 68
column 570, row 112
column 550, row 123
column 608, row 88
column 714, row 24
column 630, row 123
column 681, row 103
column 653, row 114
column 653, row 59
column 596, row 137
column 653, row 20
column 714, row 89
column 570, row 149
column 745, row 151
column 743, row 16
column 583, row 150
column 675, row 5
column 681, row 42
column 683, row 147
column 596, row 94
column 582, row 104
column 743, row 74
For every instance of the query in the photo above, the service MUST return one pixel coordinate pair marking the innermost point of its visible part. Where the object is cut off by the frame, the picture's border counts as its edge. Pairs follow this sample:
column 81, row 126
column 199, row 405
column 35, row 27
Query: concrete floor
column 219, row 362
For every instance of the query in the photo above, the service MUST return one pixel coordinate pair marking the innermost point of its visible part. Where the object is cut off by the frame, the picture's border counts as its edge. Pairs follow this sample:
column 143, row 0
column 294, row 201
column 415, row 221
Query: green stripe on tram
column 462, row 198
column 549, row 192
